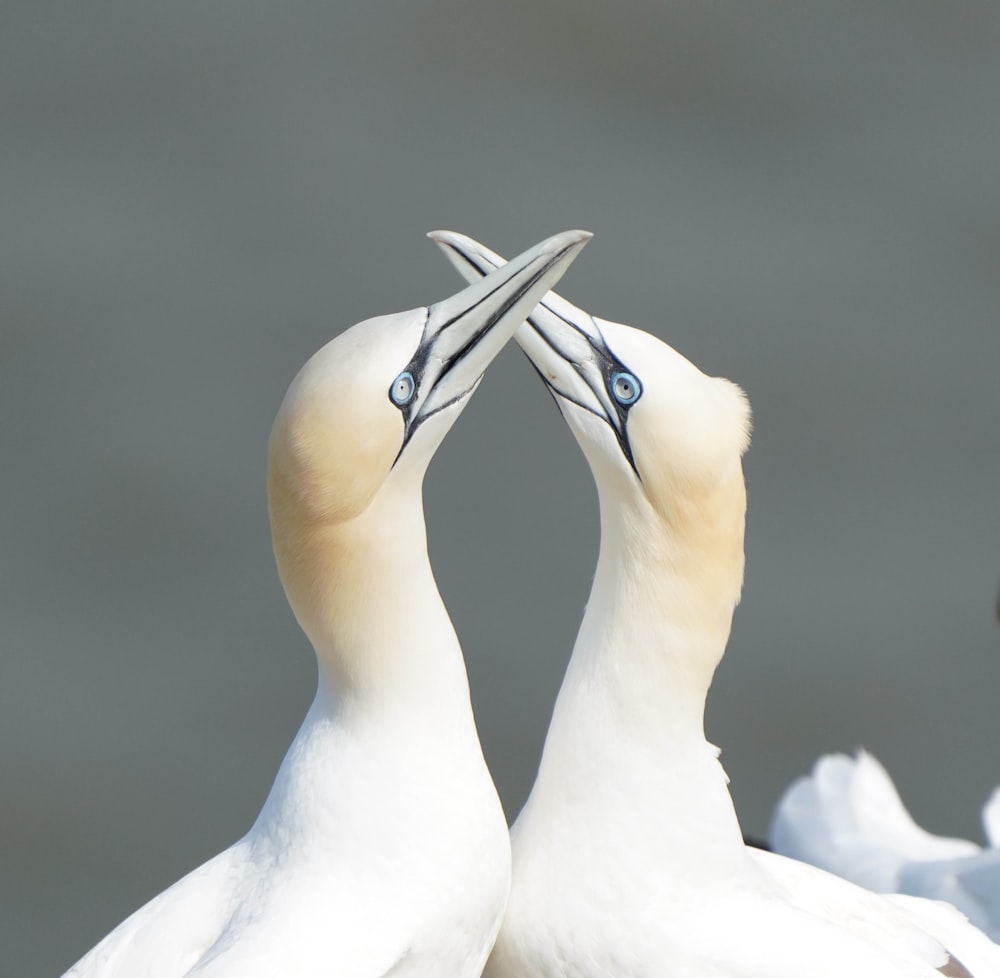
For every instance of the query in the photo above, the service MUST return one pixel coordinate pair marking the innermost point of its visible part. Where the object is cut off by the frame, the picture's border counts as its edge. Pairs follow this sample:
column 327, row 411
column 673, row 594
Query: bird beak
column 463, row 334
column 562, row 341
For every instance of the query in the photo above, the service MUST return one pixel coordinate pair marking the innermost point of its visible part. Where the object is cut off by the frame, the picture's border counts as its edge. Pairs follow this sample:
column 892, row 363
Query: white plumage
column 382, row 847
column 847, row 817
column 628, row 857
column 991, row 818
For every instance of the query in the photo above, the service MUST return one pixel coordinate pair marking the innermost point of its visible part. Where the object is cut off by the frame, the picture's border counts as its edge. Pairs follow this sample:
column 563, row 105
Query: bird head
column 370, row 408
column 658, row 433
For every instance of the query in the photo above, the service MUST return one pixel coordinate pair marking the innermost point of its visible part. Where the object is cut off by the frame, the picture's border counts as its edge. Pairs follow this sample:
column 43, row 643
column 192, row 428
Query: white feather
column 847, row 817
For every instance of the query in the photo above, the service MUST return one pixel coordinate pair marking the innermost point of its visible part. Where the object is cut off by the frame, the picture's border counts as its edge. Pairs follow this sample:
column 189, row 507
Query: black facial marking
column 416, row 370
column 609, row 365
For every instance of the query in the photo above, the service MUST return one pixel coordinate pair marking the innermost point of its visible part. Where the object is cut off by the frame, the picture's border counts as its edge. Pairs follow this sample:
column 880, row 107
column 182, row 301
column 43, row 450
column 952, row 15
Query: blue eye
column 626, row 388
column 401, row 392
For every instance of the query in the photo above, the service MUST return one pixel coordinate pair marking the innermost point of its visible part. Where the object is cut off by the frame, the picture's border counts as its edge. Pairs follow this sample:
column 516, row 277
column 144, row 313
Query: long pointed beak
column 464, row 333
column 563, row 341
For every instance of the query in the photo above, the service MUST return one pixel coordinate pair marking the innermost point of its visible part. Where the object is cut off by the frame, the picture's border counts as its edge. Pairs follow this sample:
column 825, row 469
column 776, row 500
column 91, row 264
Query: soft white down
column 848, row 818
column 382, row 848
column 628, row 856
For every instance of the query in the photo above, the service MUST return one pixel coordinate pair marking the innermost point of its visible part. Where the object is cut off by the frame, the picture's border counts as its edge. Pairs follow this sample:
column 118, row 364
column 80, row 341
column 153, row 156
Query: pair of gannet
column 848, row 818
column 628, row 860
column 380, row 850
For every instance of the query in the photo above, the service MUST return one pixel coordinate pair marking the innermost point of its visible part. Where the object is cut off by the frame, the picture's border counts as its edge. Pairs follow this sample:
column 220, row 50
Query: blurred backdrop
column 197, row 195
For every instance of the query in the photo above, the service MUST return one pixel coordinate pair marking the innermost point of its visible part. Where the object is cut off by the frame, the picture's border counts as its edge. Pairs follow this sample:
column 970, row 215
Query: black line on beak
column 620, row 431
column 609, row 364
column 413, row 418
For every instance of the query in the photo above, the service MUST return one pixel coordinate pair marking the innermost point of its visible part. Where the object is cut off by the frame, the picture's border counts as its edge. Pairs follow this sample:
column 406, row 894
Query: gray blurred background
column 196, row 195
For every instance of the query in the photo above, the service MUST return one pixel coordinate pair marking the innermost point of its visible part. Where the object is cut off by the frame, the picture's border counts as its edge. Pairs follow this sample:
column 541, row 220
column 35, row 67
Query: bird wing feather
column 167, row 936
column 847, row 817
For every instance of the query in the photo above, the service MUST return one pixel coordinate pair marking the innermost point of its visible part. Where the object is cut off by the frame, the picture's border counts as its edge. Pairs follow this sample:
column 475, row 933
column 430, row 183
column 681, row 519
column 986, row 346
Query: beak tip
column 567, row 241
column 452, row 244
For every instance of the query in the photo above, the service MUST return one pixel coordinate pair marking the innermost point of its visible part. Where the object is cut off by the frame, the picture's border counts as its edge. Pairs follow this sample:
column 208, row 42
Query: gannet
column 848, row 818
column 628, row 859
column 382, row 848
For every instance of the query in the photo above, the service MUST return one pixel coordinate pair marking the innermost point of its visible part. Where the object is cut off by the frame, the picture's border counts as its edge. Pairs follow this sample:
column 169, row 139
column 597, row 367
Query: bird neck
column 628, row 727
column 662, row 602
column 364, row 593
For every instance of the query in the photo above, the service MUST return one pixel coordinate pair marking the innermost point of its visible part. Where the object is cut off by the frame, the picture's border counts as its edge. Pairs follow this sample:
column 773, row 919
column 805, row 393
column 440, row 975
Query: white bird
column 848, row 818
column 382, row 848
column 628, row 856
